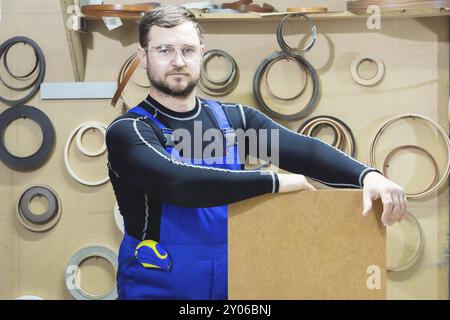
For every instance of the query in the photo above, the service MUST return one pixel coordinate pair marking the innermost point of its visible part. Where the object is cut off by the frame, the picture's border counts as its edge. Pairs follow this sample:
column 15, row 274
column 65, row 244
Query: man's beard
column 163, row 87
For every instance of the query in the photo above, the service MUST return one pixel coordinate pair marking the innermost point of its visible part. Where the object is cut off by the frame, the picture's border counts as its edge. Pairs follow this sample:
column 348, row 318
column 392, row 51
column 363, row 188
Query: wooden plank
column 306, row 245
column 74, row 43
column 337, row 15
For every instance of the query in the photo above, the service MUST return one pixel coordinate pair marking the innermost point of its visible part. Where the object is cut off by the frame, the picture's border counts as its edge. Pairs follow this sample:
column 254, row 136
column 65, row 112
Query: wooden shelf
column 338, row 15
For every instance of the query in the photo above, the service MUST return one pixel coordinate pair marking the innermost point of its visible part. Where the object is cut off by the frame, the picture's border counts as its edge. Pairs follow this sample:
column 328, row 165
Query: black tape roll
column 4, row 47
column 24, row 205
column 48, row 138
column 257, row 84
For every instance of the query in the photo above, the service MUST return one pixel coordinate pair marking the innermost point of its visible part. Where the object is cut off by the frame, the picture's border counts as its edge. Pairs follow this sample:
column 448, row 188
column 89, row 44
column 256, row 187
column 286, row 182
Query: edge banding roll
column 302, row 68
column 44, row 152
column 220, row 87
column 46, row 221
column 358, row 60
column 392, row 153
column 73, row 271
column 372, row 159
column 258, row 78
column 418, row 250
column 343, row 134
column 284, row 46
column 86, row 125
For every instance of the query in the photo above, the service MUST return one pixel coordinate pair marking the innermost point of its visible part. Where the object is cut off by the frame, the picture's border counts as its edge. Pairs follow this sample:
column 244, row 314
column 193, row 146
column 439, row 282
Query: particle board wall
column 415, row 54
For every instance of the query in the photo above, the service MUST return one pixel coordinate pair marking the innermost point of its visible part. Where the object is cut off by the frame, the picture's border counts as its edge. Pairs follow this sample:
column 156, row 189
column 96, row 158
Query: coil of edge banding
column 372, row 159
column 73, row 269
column 259, row 77
column 302, row 68
column 46, row 221
column 220, row 87
column 83, row 127
column 414, row 147
column 4, row 47
column 418, row 250
column 118, row 218
column 125, row 74
column 284, row 46
column 48, row 138
column 356, row 62
column 87, row 126
column 24, row 77
column 343, row 136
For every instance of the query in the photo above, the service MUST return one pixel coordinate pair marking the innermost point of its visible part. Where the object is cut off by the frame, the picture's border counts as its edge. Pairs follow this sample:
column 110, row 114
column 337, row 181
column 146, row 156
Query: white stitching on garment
column 146, row 218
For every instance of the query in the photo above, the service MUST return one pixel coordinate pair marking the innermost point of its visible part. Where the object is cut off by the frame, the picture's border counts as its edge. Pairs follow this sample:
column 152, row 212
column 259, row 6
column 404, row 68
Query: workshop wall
column 415, row 53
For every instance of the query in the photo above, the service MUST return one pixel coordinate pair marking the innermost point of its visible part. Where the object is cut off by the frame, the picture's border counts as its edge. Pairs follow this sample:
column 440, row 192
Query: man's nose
column 178, row 60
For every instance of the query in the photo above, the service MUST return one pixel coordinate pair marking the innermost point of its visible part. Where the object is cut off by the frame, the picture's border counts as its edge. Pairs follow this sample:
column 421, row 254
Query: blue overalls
column 196, row 239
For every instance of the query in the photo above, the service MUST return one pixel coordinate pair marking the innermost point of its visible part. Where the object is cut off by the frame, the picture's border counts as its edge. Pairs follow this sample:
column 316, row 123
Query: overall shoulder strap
column 166, row 132
column 223, row 122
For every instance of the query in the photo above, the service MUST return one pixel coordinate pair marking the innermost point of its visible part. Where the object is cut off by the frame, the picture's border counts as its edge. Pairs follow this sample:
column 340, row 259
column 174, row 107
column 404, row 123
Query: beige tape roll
column 418, row 249
column 74, row 175
column 356, row 62
column 373, row 145
column 82, row 130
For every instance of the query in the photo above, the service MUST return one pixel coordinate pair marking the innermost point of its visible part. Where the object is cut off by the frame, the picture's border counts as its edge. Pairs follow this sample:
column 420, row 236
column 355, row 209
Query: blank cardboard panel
column 306, row 245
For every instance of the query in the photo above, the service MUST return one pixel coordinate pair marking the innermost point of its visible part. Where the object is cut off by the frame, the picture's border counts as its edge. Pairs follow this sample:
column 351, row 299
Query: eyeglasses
column 168, row 53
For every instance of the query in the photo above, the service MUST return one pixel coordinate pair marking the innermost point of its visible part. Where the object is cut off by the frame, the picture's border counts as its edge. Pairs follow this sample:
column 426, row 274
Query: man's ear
column 142, row 57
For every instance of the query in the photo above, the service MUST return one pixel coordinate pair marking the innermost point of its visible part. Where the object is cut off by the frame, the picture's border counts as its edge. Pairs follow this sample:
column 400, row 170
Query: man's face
column 173, row 59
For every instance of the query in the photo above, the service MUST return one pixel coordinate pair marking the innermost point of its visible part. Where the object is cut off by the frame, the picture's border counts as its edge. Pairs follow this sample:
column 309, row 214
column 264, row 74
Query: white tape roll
column 367, row 57
column 86, row 126
column 29, row 297
column 66, row 155
column 118, row 218
column 73, row 272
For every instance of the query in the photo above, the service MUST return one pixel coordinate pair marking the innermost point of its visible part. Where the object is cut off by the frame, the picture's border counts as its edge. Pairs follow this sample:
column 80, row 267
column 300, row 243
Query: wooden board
column 306, row 245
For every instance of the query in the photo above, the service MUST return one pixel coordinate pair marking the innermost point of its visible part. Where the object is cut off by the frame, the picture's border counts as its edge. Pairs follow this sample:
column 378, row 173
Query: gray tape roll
column 26, row 198
column 42, row 222
column 73, row 268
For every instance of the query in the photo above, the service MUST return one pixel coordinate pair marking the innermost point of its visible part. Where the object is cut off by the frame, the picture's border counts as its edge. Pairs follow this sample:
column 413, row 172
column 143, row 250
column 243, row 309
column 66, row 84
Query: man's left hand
column 392, row 196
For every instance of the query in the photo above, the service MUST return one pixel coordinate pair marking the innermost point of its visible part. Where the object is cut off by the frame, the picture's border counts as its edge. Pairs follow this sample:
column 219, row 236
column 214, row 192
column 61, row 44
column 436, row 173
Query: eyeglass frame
column 176, row 48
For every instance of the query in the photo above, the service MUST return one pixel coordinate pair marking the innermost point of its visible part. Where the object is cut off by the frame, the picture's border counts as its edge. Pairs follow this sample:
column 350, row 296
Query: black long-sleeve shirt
column 144, row 176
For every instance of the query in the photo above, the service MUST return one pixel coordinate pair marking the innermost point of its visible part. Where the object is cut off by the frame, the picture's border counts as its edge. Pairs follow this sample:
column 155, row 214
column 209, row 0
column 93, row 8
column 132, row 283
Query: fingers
column 394, row 207
column 402, row 200
column 388, row 208
column 367, row 203
column 308, row 186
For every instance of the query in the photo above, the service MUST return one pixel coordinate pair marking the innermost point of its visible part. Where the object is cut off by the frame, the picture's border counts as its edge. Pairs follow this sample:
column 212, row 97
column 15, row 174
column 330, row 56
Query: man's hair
column 166, row 16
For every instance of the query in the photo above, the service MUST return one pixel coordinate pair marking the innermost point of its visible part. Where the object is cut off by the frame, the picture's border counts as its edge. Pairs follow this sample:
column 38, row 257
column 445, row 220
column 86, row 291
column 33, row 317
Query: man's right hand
column 293, row 182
